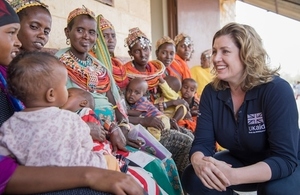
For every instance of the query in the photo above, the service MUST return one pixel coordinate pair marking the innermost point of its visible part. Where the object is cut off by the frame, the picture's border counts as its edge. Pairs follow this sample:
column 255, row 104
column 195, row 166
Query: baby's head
column 79, row 98
column 189, row 88
column 136, row 89
column 173, row 82
column 38, row 79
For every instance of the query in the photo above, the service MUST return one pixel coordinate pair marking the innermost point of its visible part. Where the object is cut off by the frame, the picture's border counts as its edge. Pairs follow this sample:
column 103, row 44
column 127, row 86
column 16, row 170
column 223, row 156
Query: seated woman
column 184, row 51
column 17, row 179
column 165, row 52
column 250, row 111
column 107, row 41
column 139, row 48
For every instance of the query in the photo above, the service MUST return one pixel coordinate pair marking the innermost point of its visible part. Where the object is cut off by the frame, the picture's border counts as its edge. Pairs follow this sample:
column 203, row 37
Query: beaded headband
column 80, row 11
column 19, row 5
column 163, row 40
column 136, row 35
column 104, row 23
column 181, row 36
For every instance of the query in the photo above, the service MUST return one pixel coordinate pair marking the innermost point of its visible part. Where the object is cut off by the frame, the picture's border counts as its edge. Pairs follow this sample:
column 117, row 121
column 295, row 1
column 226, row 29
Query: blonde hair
column 252, row 54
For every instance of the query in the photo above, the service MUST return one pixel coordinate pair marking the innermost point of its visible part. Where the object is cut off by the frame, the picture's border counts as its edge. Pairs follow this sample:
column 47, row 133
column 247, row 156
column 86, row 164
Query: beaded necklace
column 84, row 63
column 90, row 75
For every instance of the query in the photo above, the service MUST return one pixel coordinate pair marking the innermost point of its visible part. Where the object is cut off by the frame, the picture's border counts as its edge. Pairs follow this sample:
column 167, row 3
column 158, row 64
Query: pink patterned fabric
column 49, row 137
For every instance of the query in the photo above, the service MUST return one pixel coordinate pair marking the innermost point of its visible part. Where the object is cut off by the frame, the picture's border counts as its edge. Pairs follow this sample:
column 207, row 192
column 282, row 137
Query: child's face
column 9, row 44
column 74, row 101
column 35, row 28
column 188, row 89
column 60, row 87
column 134, row 92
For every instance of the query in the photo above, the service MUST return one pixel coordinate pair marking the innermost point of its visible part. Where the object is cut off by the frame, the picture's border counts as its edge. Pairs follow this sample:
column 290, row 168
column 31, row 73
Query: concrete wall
column 198, row 18
column 124, row 15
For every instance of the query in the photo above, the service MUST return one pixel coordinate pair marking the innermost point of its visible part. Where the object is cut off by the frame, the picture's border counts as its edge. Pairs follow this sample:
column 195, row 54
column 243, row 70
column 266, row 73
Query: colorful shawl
column 154, row 70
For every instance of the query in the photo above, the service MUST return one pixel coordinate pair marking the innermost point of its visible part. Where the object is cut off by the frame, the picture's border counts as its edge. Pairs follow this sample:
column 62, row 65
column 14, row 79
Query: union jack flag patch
column 254, row 119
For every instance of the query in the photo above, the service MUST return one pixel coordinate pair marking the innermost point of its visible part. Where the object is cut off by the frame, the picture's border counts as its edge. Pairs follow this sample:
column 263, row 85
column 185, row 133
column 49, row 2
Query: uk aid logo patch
column 256, row 123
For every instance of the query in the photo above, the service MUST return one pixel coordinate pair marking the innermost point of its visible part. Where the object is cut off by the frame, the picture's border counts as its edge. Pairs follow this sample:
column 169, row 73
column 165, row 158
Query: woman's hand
column 206, row 168
column 118, row 140
column 97, row 132
column 131, row 142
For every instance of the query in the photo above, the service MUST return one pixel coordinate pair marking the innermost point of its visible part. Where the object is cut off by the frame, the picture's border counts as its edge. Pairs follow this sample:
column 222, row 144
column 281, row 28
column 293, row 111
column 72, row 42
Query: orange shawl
column 154, row 69
column 184, row 67
column 119, row 73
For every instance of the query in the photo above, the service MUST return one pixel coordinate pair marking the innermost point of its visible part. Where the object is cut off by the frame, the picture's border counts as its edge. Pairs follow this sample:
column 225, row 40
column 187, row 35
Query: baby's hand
column 161, row 79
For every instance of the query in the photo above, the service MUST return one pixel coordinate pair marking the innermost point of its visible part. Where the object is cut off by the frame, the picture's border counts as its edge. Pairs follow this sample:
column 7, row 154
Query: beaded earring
column 68, row 41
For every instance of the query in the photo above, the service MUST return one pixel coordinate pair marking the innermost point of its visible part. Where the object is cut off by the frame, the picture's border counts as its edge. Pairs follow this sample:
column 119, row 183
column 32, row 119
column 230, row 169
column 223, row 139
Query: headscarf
column 136, row 35
column 101, row 50
column 163, row 40
column 80, row 11
column 7, row 14
column 187, row 39
column 104, row 23
column 19, row 5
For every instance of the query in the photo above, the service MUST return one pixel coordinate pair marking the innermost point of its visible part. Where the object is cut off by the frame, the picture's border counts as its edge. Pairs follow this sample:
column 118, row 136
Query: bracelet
column 124, row 125
column 161, row 106
column 113, row 130
column 165, row 105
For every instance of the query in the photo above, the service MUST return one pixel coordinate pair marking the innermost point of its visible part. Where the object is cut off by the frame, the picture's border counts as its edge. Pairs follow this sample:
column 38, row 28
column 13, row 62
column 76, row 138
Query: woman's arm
column 26, row 180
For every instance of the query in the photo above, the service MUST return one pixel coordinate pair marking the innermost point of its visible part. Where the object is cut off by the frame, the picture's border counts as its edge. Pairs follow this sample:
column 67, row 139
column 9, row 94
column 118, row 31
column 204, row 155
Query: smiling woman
column 35, row 21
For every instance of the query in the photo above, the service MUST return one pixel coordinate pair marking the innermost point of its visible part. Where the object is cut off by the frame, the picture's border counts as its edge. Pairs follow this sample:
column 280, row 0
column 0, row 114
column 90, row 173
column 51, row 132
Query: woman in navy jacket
column 249, row 110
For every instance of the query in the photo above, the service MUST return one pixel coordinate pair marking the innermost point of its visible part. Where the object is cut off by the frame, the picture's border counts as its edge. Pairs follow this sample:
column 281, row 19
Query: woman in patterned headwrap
column 139, row 48
column 184, row 50
column 107, row 42
column 88, row 73
column 165, row 52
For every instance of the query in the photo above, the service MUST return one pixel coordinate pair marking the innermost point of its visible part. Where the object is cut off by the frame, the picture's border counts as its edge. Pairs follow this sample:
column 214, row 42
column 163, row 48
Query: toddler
column 43, row 134
column 140, row 106
column 188, row 93
column 170, row 102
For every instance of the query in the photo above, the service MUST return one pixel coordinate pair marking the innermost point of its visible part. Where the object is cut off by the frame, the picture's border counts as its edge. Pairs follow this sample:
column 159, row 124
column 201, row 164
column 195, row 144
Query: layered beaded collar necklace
column 85, row 63
column 91, row 76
